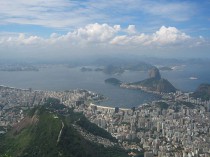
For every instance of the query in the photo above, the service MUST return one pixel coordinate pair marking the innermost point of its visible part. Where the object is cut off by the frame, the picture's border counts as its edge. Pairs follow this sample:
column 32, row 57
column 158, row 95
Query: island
column 84, row 69
column 113, row 81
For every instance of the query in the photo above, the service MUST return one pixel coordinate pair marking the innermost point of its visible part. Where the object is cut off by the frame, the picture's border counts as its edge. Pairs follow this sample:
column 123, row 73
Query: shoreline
column 91, row 104
column 14, row 88
column 96, row 102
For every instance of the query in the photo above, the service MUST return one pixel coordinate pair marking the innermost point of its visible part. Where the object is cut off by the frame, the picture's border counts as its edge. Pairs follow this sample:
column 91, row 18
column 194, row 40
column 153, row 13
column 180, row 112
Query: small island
column 84, row 69
column 113, row 81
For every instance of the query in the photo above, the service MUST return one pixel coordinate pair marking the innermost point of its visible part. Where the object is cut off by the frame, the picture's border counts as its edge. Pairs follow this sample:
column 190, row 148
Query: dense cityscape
column 74, row 82
column 177, row 125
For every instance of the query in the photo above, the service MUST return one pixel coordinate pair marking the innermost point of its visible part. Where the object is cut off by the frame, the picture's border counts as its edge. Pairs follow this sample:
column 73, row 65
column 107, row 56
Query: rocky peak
column 154, row 73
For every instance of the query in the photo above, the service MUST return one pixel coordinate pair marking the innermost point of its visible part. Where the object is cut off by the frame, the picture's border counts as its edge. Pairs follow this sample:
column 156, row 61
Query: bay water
column 60, row 78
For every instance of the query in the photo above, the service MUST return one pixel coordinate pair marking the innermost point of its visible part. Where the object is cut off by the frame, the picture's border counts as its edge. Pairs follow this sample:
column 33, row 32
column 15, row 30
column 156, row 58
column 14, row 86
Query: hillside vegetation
column 203, row 92
column 48, row 132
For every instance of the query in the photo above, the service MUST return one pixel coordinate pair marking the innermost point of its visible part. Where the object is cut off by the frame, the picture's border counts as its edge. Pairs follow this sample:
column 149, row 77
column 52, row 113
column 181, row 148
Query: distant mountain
column 119, row 66
column 203, row 92
column 153, row 83
column 113, row 81
column 112, row 69
column 165, row 68
column 52, row 131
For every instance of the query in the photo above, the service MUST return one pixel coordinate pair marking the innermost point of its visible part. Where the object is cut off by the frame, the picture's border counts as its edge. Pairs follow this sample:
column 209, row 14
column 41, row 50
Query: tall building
column 158, row 126
column 148, row 154
column 208, row 107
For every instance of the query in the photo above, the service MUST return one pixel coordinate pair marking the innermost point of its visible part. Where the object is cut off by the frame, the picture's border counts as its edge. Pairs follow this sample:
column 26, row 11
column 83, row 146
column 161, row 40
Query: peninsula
column 152, row 84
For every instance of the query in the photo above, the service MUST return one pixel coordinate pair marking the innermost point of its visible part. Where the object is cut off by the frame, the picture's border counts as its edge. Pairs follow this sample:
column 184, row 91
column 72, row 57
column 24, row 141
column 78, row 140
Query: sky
column 62, row 29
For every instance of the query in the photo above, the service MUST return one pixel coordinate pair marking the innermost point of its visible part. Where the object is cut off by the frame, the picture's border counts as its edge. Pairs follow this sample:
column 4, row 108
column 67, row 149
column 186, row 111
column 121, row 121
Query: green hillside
column 48, row 132
column 203, row 92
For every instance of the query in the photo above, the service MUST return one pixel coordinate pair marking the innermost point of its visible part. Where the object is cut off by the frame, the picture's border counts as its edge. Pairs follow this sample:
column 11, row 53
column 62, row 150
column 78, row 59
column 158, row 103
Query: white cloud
column 169, row 35
column 165, row 36
column 104, row 34
column 21, row 39
column 131, row 29
column 68, row 14
column 51, row 13
column 131, row 40
column 121, row 40
column 177, row 11
column 95, row 33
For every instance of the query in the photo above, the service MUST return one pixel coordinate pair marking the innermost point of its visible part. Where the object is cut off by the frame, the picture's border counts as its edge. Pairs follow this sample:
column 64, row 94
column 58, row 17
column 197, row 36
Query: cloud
column 51, row 13
column 93, row 34
column 169, row 35
column 165, row 36
column 131, row 29
column 176, row 11
column 131, row 40
column 70, row 14
column 97, row 39
column 20, row 39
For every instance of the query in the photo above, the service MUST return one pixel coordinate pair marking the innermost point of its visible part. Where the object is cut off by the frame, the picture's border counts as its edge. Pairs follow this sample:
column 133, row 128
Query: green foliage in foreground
column 36, row 140
column 40, row 139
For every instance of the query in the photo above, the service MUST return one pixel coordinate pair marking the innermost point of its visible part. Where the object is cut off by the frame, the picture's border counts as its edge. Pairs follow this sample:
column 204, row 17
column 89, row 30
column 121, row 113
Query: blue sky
column 165, row 28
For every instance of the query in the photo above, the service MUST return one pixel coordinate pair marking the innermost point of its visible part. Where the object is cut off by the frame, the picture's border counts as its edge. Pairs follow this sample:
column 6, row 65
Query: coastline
column 14, row 88
column 91, row 104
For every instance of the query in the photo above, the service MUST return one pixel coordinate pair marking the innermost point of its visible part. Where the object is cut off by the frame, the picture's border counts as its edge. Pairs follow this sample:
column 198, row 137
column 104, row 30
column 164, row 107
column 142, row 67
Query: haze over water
column 60, row 78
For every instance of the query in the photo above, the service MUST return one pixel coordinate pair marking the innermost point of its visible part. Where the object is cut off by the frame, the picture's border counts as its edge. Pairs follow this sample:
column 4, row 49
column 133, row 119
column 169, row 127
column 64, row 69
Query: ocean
column 60, row 78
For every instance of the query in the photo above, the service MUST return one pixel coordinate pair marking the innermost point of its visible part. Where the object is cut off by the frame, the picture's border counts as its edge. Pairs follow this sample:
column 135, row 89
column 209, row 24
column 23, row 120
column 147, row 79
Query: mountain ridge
column 47, row 132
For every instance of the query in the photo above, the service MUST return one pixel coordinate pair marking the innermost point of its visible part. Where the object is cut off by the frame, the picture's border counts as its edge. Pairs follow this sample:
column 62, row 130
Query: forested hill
column 203, row 92
column 52, row 131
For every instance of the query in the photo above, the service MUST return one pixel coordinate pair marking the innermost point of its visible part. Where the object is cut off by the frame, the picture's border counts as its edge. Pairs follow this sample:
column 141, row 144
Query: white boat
column 193, row 78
